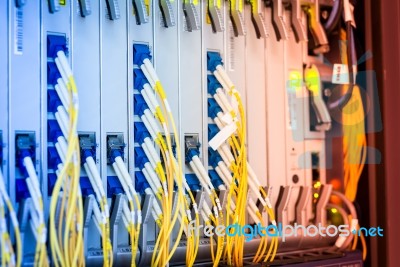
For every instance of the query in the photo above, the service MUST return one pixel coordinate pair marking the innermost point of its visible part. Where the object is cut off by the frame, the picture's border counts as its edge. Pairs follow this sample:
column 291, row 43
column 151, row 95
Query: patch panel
column 246, row 143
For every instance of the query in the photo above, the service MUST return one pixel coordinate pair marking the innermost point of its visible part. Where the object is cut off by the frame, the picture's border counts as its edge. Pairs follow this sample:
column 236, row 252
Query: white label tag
column 222, row 136
column 340, row 74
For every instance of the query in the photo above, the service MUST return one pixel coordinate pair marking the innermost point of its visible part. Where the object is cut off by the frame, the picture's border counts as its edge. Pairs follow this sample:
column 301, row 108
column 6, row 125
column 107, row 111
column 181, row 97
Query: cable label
column 18, row 31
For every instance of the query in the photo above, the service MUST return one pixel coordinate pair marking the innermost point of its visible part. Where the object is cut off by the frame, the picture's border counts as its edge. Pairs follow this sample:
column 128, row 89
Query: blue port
column 139, row 78
column 140, row 53
column 215, row 179
column 140, row 182
column 193, row 182
column 25, row 146
column 51, row 182
column 53, row 159
column 213, row 157
column 213, row 108
column 141, row 132
column 213, row 60
column 212, row 131
column 212, row 84
column 52, row 73
column 53, row 131
column 55, row 43
column 114, row 186
column 87, row 145
column 140, row 158
column 86, row 186
column 53, row 101
column 21, row 190
column 115, row 147
column 139, row 104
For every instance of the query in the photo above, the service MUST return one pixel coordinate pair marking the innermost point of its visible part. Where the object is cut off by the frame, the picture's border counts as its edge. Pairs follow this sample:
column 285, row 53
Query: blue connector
column 139, row 79
column 140, row 158
column 25, row 146
column 87, row 145
column 140, row 182
column 115, row 147
column 212, row 131
column 213, row 60
column 213, row 158
column 56, row 43
column 53, row 159
column 51, row 182
column 86, row 186
column 114, row 186
column 192, row 148
column 21, row 190
column 139, row 104
column 53, row 131
column 212, row 84
column 213, row 108
column 52, row 73
column 193, row 182
column 113, row 154
column 141, row 132
column 140, row 53
column 53, row 101
column 215, row 179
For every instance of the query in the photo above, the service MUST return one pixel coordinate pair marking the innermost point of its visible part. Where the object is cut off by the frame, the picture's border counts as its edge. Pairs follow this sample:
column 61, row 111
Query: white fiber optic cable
column 92, row 182
column 122, row 181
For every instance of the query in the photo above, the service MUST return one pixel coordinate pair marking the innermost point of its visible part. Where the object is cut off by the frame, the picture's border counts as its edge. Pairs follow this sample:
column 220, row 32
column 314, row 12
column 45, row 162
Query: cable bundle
column 66, row 239
column 232, row 129
column 175, row 196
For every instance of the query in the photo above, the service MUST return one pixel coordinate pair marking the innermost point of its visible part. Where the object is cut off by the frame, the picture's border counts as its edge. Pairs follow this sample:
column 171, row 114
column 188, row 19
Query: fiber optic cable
column 67, row 248
column 14, row 258
column 175, row 170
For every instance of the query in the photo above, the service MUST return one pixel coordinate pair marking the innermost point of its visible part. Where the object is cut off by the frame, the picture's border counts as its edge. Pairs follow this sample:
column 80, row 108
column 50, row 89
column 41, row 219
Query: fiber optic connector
column 141, row 132
column 51, row 182
column 115, row 147
column 86, row 186
column 192, row 147
column 213, row 60
column 53, row 159
column 21, row 190
column 139, row 104
column 193, row 182
column 140, row 53
column 53, row 101
column 52, row 73
column 114, row 186
column 25, row 147
column 213, row 157
column 139, row 79
column 212, row 130
column 213, row 108
column 87, row 146
column 215, row 179
column 140, row 182
column 56, row 43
